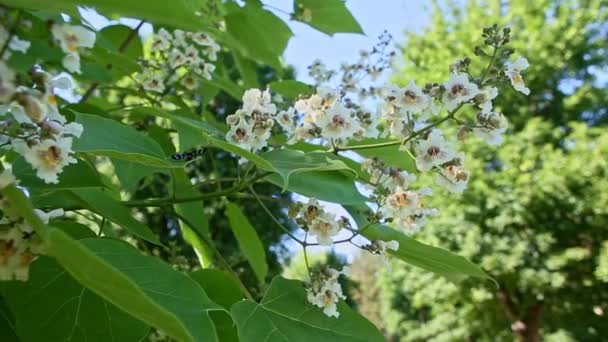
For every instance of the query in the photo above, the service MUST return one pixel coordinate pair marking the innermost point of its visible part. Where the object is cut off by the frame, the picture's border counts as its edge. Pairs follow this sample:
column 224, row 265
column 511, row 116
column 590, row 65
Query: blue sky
column 375, row 16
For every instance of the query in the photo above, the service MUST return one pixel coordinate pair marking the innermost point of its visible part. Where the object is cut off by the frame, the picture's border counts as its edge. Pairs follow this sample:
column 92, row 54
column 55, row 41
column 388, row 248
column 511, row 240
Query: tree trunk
column 526, row 328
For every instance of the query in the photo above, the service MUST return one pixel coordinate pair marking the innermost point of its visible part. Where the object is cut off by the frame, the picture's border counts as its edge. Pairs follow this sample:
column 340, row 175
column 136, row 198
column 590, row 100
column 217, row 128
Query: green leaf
column 198, row 223
column 247, row 69
column 414, row 252
column 142, row 286
column 291, row 89
column 331, row 186
column 74, row 229
column 181, row 13
column 328, row 16
column 389, row 154
column 53, row 306
column 248, row 239
column 100, row 202
column 79, row 175
column 7, row 323
column 285, row 315
column 263, row 35
column 226, row 146
column 288, row 162
column 180, row 117
column 129, row 174
column 223, row 289
column 110, row 138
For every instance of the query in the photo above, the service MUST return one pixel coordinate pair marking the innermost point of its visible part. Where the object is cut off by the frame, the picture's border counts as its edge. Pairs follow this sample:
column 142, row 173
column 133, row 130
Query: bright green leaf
column 389, row 154
column 328, row 16
column 110, row 138
column 291, row 89
column 262, row 34
column 331, row 186
column 142, row 286
column 285, row 315
column 248, row 239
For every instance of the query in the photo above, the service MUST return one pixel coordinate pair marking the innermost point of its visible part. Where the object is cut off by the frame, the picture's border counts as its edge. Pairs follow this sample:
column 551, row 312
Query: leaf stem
column 303, row 243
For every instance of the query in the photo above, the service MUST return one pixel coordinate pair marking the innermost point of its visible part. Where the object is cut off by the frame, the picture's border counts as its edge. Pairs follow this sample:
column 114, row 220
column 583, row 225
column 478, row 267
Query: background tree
column 536, row 220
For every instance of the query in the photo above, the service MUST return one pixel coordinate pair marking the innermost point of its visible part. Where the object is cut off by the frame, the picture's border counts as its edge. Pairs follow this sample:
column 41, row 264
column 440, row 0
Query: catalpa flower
column 48, row 157
column 485, row 97
column 453, row 177
column 338, row 122
column 413, row 100
column 433, row 151
column 458, row 89
column 324, row 227
column 403, row 203
column 490, row 127
column 256, row 101
column 71, row 37
column 513, row 71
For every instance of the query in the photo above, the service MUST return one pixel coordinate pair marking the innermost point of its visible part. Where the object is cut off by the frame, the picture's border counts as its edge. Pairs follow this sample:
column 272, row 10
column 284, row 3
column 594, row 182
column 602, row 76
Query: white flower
column 453, row 178
column 154, row 83
column 7, row 178
column 398, row 178
column 27, row 108
column 412, row 99
column 513, row 71
column 46, row 217
column 179, row 38
column 324, row 227
column 72, row 37
column 206, row 71
column 71, row 62
column 434, row 151
column 458, row 89
column 402, row 203
column 256, row 101
column 191, row 54
column 176, row 58
column 202, row 39
column 17, row 44
column 338, row 122
column 48, row 157
column 161, row 41
column 490, row 127
column 240, row 135
column 189, row 82
column 286, row 119
column 327, row 300
column 311, row 210
column 485, row 97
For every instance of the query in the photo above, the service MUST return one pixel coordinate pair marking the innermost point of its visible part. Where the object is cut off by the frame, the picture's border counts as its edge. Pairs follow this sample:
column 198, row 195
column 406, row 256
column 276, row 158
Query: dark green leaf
column 331, row 186
column 143, row 286
column 285, row 315
column 248, row 239
column 100, row 202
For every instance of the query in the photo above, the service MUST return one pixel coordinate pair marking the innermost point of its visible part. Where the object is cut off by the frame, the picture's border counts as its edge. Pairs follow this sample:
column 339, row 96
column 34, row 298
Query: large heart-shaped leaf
column 331, row 186
column 389, row 154
column 140, row 285
column 248, row 239
column 328, row 16
column 110, row 138
column 291, row 89
column 286, row 163
column 284, row 315
column 52, row 306
column 262, row 34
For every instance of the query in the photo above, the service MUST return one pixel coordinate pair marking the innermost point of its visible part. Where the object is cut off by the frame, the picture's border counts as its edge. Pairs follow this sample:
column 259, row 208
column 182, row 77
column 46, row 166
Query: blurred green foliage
column 535, row 216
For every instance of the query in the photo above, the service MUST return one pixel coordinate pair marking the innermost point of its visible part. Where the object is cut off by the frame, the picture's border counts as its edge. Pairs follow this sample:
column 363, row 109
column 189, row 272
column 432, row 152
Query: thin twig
column 274, row 218
column 121, row 49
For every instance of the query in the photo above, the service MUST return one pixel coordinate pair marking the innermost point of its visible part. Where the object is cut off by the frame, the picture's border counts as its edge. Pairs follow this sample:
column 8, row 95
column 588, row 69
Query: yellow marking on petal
column 52, row 100
column 72, row 47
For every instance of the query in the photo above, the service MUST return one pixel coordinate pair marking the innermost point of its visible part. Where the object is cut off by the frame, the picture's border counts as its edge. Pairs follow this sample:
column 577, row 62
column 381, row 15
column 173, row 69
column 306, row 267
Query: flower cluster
column 30, row 122
column 317, row 222
column 72, row 39
column 179, row 59
column 19, row 244
column 324, row 290
column 407, row 119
